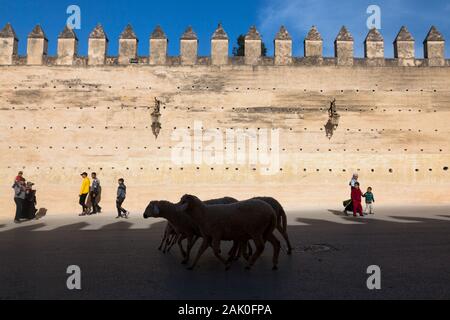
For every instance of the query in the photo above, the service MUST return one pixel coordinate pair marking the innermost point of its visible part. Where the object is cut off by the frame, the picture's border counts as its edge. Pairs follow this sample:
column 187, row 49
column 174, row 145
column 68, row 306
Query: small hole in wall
column 445, row 168
column 390, row 170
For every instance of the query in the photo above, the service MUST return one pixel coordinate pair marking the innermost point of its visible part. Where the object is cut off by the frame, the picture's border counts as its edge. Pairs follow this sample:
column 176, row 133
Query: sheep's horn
column 155, row 209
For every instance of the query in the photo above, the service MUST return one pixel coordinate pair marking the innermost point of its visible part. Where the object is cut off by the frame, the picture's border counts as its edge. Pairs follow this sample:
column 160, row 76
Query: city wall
column 62, row 115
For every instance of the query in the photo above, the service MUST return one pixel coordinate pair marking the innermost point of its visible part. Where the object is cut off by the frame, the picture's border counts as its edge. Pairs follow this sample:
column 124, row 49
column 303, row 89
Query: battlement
column 404, row 52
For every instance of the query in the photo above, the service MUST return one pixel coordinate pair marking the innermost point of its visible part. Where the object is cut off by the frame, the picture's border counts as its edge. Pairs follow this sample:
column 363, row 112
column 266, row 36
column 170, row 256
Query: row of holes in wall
column 225, row 148
column 390, row 170
column 239, row 109
column 218, row 129
column 235, row 88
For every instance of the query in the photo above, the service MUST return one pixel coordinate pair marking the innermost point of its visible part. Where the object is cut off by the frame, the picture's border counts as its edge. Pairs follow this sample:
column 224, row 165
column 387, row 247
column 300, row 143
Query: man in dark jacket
column 19, row 199
column 121, row 195
column 95, row 193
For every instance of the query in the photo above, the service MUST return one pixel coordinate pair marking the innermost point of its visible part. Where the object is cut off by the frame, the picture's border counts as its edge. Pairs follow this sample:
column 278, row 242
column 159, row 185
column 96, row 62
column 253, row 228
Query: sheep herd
column 225, row 219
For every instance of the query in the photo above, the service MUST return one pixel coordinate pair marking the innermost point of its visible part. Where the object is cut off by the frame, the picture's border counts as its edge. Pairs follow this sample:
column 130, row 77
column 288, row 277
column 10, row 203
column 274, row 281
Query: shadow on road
column 122, row 263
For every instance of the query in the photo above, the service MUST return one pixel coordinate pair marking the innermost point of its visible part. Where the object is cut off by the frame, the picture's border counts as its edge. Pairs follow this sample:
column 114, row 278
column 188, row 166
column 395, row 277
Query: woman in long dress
column 29, row 208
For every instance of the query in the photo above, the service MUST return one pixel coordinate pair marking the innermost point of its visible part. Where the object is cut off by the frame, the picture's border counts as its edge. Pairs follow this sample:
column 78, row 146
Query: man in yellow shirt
column 84, row 191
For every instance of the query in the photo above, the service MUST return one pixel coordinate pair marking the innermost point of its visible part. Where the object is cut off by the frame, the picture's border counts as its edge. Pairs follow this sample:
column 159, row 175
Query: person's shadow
column 331, row 125
column 338, row 213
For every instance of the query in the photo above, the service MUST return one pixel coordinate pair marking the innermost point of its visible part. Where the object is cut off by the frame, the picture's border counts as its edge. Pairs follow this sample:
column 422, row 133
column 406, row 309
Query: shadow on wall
column 331, row 126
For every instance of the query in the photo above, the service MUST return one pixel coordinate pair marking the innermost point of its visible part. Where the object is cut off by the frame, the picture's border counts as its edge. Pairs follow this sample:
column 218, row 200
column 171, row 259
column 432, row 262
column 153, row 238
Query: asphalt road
column 121, row 262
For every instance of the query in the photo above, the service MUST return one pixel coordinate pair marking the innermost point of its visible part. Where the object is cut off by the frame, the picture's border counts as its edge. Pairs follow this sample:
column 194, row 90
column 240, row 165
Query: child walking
column 356, row 200
column 121, row 195
column 369, row 201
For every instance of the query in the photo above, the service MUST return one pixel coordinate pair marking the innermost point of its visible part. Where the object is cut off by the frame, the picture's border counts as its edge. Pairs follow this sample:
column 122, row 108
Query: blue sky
column 236, row 16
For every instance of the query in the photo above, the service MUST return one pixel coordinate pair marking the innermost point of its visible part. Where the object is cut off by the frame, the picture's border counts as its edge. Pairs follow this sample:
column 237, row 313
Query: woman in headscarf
column 29, row 207
column 354, row 180
column 348, row 204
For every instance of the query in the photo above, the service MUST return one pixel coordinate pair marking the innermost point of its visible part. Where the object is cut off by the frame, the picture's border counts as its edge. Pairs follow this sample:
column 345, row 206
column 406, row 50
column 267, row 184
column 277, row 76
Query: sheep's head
column 189, row 202
column 153, row 210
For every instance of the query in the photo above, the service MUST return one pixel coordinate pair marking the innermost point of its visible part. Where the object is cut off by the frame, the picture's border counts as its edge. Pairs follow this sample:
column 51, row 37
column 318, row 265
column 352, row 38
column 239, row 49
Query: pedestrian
column 29, row 206
column 84, row 191
column 20, row 177
column 370, row 199
column 121, row 195
column 354, row 180
column 356, row 200
column 95, row 193
column 19, row 198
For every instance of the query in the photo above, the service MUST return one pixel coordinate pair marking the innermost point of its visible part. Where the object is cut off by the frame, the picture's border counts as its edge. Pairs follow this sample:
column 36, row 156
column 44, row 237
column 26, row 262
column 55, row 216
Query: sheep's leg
column 250, row 249
column 191, row 241
column 166, row 244
column 239, row 252
column 180, row 245
column 216, row 247
column 234, row 251
column 276, row 249
column 172, row 241
column 169, row 239
column 202, row 249
column 195, row 239
column 286, row 238
column 259, row 242
column 246, row 250
column 243, row 250
column 163, row 240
